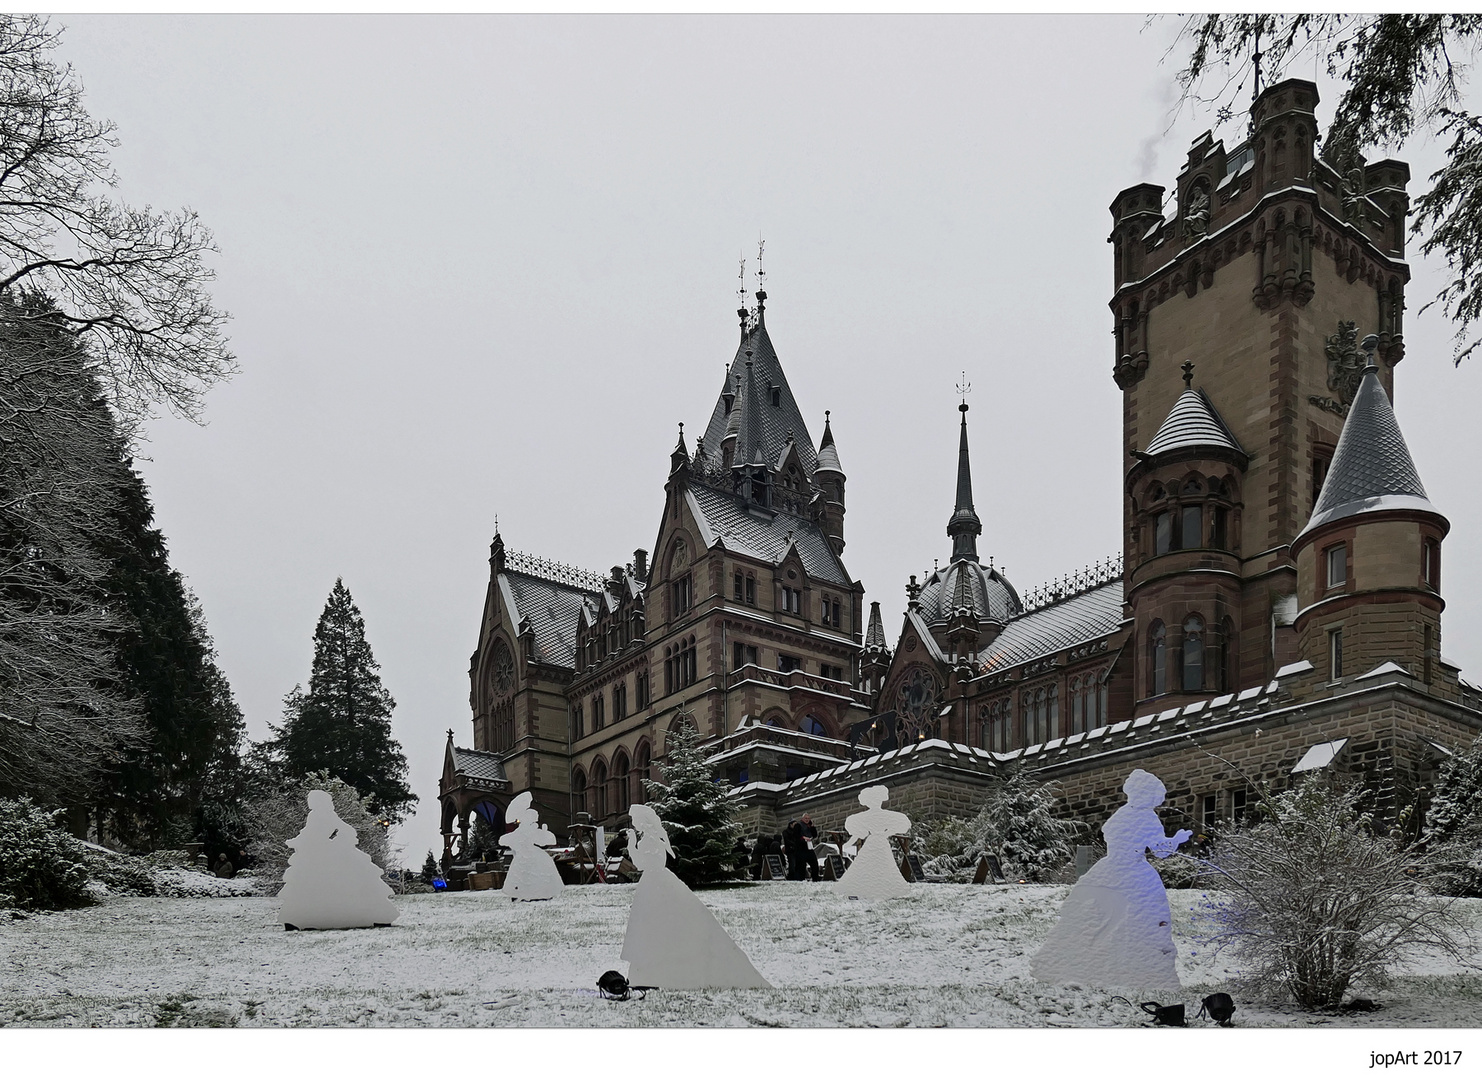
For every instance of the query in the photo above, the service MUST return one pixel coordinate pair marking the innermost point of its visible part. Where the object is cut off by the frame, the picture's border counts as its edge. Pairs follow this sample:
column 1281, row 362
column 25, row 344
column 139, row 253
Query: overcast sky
column 485, row 265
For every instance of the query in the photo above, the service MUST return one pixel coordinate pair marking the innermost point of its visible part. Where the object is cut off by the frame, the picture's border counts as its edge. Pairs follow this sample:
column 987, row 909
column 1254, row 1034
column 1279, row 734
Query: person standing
column 809, row 833
column 793, row 847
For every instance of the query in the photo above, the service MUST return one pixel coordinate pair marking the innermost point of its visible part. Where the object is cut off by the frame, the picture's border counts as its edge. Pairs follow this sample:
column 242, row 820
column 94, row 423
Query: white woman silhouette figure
column 673, row 941
column 532, row 873
column 330, row 884
column 874, row 875
column 1115, row 928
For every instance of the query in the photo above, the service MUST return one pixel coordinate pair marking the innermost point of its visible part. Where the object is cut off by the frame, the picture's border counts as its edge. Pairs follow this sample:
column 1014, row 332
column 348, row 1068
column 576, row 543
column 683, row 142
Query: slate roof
column 828, row 454
column 762, row 427
column 1372, row 468
column 765, row 535
column 1085, row 617
column 992, row 595
column 1192, row 422
column 875, row 634
column 552, row 609
column 479, row 765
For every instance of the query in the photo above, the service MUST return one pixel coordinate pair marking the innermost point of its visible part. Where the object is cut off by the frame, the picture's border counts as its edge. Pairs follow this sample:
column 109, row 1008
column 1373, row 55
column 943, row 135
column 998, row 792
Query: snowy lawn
column 950, row 955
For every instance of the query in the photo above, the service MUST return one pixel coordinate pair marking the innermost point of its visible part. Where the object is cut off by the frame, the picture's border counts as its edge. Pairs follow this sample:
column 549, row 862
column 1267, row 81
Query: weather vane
column 741, row 292
column 761, row 275
column 964, row 388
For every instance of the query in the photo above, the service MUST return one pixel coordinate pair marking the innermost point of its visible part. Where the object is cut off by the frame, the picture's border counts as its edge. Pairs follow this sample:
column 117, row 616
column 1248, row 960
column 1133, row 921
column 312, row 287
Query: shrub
column 1453, row 833
column 279, row 817
column 1313, row 901
column 42, row 867
column 127, row 874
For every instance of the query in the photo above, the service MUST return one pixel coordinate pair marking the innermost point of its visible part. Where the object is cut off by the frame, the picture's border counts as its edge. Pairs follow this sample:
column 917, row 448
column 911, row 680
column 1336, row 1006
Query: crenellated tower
column 1266, row 270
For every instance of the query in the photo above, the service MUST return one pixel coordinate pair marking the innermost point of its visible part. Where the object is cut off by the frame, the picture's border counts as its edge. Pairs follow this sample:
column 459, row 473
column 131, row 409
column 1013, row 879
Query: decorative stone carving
column 1196, row 210
column 1346, row 363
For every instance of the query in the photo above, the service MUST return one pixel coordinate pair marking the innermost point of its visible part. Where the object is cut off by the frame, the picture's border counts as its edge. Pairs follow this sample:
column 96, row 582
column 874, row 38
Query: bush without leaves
column 1313, row 902
column 280, row 817
column 41, row 866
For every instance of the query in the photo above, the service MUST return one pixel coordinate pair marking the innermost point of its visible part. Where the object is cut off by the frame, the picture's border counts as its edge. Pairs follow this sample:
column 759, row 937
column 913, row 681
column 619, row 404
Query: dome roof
column 992, row 595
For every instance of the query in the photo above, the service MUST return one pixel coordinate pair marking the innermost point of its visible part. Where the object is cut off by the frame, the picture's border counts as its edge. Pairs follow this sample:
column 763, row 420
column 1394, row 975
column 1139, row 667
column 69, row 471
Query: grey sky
column 484, row 265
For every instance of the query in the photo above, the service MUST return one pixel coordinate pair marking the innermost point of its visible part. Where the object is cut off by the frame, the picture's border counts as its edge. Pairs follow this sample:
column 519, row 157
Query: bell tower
column 1236, row 313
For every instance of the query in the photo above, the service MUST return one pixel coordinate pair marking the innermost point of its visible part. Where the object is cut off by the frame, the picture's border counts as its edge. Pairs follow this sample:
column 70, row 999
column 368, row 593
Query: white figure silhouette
column 330, row 884
column 874, row 875
column 532, row 873
column 673, row 941
column 1115, row 928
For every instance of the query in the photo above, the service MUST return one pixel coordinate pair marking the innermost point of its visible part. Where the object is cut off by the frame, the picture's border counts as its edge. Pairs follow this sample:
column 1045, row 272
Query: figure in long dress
column 532, row 872
column 874, row 875
column 673, row 941
column 330, row 884
column 1115, row 928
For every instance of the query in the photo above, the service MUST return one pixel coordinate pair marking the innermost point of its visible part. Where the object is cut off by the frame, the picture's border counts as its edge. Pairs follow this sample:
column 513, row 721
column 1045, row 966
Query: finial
column 964, row 388
column 681, row 429
column 790, row 435
column 761, row 275
column 1256, row 59
column 496, row 524
column 450, row 734
column 1188, row 367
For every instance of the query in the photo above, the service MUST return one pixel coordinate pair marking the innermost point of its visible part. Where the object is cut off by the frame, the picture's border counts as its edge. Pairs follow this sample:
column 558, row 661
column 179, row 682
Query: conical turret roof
column 1372, row 468
column 828, row 456
column 875, row 634
column 1192, row 422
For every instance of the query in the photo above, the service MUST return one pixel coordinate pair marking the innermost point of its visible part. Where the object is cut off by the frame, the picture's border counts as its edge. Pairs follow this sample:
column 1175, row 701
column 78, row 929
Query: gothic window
column 597, row 791
column 578, row 791
column 640, row 690
column 831, row 671
column 1077, row 705
column 788, row 663
column 502, row 668
column 599, row 709
column 1219, row 529
column 915, row 703
column 681, row 595
column 1163, row 533
column 792, row 599
column 640, row 772
column 578, row 725
column 811, row 725
column 737, row 583
column 1158, row 657
column 995, row 721
column 1191, row 532
column 619, row 797
column 669, row 680
column 1193, row 653
column 620, row 701
column 1039, row 714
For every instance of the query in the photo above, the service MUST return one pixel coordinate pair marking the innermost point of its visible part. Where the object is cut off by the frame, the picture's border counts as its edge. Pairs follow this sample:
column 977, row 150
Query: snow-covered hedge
column 41, row 866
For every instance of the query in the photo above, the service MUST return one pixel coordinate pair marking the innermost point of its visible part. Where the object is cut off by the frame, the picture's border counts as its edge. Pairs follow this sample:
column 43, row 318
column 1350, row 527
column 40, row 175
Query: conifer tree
column 342, row 725
column 1021, row 813
column 429, row 868
column 1453, row 831
column 698, row 813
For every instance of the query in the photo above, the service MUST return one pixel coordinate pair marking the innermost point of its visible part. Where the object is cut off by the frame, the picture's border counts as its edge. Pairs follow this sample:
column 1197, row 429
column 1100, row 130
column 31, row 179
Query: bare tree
column 1404, row 74
column 64, row 714
column 128, row 282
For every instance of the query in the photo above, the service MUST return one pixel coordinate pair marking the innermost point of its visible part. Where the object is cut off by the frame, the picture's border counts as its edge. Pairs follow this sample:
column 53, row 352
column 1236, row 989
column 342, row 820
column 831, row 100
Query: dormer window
column 792, row 600
column 776, row 397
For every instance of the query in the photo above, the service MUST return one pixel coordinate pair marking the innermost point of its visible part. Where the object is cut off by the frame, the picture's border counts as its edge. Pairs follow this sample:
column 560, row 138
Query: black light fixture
column 1165, row 1015
column 1219, row 1007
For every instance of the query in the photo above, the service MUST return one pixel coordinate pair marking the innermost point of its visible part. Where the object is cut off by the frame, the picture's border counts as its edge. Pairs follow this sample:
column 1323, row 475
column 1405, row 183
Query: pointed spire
column 496, row 551
column 875, row 632
column 1192, row 422
column 1372, row 468
column 679, row 458
column 828, row 454
column 964, row 526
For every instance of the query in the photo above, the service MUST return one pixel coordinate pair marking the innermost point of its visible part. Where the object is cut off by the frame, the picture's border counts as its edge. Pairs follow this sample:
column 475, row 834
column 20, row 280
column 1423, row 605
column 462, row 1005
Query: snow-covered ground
column 949, row 955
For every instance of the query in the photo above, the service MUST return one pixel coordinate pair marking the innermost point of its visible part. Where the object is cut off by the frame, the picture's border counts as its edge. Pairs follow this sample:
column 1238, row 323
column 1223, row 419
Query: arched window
column 811, row 725
column 1193, row 653
column 597, row 800
column 578, row 791
column 640, row 772
column 1158, row 658
column 1077, row 706
column 619, row 784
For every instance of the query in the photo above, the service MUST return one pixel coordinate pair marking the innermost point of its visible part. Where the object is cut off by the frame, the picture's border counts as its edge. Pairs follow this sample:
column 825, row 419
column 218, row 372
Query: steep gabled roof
column 761, row 426
column 1372, row 468
column 553, row 609
column 1193, row 422
column 480, row 765
column 1085, row 617
column 765, row 535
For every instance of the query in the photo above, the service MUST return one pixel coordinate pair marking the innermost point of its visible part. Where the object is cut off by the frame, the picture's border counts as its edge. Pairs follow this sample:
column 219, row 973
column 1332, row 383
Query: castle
column 1276, row 607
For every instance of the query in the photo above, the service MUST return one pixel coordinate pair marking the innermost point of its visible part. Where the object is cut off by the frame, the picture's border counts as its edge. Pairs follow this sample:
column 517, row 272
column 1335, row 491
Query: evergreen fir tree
column 342, row 725
column 698, row 813
column 1020, row 813
column 1453, row 832
column 429, row 868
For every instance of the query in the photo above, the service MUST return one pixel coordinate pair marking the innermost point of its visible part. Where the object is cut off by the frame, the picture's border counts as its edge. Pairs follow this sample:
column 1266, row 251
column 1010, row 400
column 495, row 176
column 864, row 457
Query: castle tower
column 1369, row 561
column 1269, row 268
column 829, row 477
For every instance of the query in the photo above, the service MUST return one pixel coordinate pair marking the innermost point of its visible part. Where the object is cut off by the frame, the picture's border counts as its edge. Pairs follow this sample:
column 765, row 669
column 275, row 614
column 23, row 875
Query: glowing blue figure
column 1115, row 928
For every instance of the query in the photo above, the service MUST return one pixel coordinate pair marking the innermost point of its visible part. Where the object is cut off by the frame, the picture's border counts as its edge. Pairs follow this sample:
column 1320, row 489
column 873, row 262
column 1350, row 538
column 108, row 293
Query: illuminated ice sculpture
column 673, row 941
column 1115, row 927
column 330, row 884
column 532, row 872
column 874, row 875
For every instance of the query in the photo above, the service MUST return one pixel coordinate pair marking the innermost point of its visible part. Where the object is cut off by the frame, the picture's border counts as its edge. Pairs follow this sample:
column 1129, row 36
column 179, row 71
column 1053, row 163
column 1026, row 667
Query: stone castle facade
column 1276, row 607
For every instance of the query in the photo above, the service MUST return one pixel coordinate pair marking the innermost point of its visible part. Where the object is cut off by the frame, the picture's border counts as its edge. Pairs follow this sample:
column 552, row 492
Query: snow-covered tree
column 1312, row 901
column 41, row 865
column 698, row 813
column 1453, row 834
column 1020, row 814
column 430, row 868
column 342, row 725
column 277, row 817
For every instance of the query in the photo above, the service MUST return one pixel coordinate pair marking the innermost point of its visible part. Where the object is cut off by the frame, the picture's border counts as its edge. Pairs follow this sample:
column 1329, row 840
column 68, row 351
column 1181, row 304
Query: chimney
column 640, row 565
